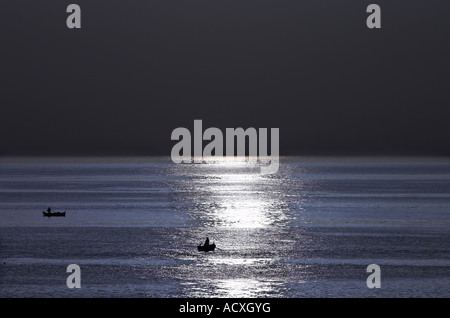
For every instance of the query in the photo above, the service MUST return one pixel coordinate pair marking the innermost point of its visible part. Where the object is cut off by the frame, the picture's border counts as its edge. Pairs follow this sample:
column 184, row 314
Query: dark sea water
column 311, row 230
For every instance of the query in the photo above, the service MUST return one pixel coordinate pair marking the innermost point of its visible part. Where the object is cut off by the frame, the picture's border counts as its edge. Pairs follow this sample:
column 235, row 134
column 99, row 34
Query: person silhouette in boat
column 207, row 241
column 49, row 210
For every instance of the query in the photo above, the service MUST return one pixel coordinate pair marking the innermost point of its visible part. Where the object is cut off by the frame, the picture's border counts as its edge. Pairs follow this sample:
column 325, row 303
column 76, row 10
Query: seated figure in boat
column 49, row 210
column 207, row 242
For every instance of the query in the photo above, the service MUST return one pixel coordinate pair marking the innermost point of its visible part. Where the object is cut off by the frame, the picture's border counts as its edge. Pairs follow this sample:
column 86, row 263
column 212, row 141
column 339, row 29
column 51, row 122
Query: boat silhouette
column 44, row 213
column 206, row 248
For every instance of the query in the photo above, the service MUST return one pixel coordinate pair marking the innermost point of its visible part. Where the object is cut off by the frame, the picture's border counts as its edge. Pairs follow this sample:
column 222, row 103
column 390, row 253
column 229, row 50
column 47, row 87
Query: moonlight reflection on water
column 240, row 202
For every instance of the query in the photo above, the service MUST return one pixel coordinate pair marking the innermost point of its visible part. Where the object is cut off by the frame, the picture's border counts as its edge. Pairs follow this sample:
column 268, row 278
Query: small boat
column 206, row 248
column 53, row 213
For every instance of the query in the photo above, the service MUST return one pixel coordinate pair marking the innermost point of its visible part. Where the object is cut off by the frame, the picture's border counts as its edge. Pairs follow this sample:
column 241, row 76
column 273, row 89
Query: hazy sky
column 136, row 70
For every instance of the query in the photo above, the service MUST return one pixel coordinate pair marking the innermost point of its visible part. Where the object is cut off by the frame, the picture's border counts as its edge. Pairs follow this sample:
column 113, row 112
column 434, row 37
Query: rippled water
column 311, row 230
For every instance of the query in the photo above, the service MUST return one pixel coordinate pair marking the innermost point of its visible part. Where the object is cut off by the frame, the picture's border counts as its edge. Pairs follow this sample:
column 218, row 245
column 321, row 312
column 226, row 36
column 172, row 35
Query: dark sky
column 138, row 69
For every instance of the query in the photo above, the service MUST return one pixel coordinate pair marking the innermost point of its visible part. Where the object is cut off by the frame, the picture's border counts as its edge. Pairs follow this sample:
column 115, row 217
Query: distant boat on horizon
column 193, row 161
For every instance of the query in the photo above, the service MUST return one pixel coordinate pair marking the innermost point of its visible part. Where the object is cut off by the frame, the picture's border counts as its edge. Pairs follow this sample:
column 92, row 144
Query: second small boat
column 53, row 213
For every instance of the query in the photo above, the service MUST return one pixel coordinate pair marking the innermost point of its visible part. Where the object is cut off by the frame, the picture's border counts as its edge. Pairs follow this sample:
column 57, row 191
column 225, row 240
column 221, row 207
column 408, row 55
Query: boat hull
column 49, row 214
column 207, row 248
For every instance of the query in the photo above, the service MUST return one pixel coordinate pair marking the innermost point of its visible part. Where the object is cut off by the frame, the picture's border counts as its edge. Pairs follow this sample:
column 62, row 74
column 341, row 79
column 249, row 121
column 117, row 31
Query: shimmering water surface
column 310, row 230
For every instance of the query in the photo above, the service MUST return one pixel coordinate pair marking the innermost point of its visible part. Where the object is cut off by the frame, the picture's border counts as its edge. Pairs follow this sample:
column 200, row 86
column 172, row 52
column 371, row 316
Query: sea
column 133, row 224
